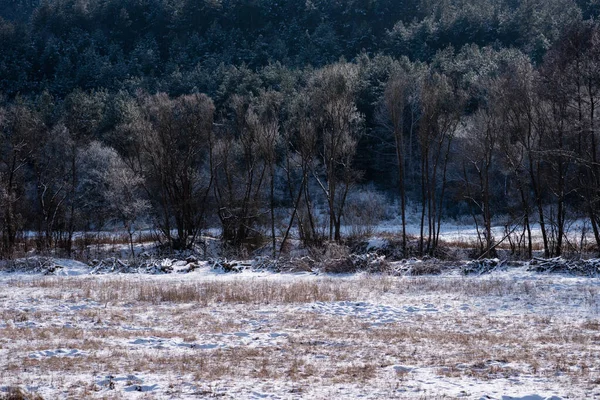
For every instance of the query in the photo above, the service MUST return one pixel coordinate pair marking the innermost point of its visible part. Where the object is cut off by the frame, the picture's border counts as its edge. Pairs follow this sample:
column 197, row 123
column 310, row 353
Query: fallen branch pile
column 483, row 266
column 33, row 265
column 285, row 265
column 140, row 266
column 301, row 264
column 229, row 266
column 417, row 267
column 369, row 262
column 589, row 267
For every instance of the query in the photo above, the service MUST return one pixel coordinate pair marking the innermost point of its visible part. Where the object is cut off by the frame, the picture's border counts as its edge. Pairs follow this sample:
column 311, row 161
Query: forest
column 313, row 120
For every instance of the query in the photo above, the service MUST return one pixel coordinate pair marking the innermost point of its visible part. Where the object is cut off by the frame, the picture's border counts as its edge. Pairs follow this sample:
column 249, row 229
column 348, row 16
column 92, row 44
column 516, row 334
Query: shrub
column 15, row 393
column 364, row 210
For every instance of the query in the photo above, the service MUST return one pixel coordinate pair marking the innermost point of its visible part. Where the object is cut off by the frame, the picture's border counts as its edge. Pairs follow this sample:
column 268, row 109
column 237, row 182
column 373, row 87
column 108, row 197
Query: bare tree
column 82, row 115
column 174, row 143
column 240, row 169
column 518, row 100
column 332, row 91
column 300, row 152
column 479, row 154
column 395, row 99
column 17, row 124
column 114, row 189
column 51, row 173
column 571, row 88
column 263, row 119
column 441, row 109
column 125, row 197
column 511, row 99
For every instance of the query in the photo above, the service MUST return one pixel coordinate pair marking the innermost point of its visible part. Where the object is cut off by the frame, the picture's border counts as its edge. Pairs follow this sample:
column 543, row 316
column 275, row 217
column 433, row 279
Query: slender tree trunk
column 71, row 226
column 539, row 203
column 273, row 209
column 423, row 203
column 294, row 212
column 308, row 200
column 9, row 229
column 401, row 183
column 131, row 243
column 443, row 191
column 526, row 221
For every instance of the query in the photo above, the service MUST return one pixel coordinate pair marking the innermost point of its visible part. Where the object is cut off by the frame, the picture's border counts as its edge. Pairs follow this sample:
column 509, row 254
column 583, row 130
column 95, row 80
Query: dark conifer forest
column 313, row 121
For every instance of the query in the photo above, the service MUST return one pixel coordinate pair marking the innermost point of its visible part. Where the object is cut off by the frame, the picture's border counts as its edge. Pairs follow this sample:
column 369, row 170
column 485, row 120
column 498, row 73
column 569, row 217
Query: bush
column 15, row 393
column 364, row 210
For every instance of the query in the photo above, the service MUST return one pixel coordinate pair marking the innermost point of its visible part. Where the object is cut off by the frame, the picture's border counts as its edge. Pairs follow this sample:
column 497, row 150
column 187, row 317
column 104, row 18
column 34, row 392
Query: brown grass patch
column 316, row 348
column 118, row 290
column 16, row 393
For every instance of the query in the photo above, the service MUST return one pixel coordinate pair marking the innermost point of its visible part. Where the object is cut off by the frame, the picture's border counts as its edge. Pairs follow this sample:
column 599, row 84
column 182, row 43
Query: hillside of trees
column 273, row 119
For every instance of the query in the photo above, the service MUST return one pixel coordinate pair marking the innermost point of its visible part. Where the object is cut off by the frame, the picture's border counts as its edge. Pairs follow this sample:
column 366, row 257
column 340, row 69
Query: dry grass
column 16, row 393
column 317, row 350
column 202, row 293
column 240, row 291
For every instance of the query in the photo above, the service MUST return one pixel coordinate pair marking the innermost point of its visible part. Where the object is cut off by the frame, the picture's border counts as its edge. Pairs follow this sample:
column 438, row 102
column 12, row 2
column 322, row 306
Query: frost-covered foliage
column 268, row 120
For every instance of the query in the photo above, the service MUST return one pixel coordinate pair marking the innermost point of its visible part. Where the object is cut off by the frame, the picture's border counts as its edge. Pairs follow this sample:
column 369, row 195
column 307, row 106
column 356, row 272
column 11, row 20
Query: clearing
column 508, row 334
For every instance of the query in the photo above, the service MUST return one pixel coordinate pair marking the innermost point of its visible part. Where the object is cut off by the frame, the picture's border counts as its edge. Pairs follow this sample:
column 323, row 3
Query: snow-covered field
column 509, row 334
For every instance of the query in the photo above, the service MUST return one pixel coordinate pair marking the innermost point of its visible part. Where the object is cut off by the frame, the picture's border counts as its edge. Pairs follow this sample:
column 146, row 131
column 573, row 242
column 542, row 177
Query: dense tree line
column 246, row 115
column 181, row 46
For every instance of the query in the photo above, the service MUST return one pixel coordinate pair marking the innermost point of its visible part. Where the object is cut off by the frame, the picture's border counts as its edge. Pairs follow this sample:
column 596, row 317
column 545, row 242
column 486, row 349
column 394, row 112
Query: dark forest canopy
column 277, row 117
column 176, row 45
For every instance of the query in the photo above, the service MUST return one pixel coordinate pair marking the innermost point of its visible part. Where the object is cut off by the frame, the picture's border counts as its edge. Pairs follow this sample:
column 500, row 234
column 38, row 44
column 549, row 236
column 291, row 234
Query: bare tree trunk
column 423, row 205
column 9, row 229
column 71, row 226
column 294, row 212
column 526, row 221
column 401, row 176
column 443, row 191
column 131, row 243
column 538, row 201
column 272, row 194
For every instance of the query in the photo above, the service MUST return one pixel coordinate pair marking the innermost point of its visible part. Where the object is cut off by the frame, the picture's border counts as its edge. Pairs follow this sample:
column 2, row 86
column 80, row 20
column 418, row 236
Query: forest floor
column 510, row 334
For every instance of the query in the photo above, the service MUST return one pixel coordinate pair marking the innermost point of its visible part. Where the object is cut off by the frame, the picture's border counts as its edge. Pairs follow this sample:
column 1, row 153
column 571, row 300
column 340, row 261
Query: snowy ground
column 510, row 334
column 467, row 233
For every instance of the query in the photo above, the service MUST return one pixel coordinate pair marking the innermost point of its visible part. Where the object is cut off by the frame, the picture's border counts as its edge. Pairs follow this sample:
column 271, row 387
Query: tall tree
column 333, row 92
column 263, row 118
column 175, row 145
column 441, row 108
column 395, row 99
column 17, row 127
